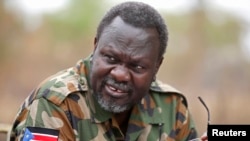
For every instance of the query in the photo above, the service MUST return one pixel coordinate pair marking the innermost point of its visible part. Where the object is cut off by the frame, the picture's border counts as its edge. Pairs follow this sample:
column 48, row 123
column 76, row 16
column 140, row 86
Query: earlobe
column 154, row 78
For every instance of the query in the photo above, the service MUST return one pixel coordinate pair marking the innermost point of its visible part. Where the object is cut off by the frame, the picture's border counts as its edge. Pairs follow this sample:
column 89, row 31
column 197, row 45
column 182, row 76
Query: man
column 112, row 94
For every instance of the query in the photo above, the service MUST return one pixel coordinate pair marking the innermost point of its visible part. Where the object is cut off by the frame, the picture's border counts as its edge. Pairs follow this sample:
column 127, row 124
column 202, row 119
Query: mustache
column 124, row 86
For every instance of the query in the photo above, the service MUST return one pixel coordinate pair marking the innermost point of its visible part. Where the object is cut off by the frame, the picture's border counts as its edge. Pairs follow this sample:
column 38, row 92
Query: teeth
column 119, row 91
column 114, row 89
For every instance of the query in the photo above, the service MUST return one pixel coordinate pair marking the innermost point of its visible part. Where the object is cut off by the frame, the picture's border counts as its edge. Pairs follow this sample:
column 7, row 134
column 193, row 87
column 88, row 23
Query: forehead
column 128, row 36
column 118, row 24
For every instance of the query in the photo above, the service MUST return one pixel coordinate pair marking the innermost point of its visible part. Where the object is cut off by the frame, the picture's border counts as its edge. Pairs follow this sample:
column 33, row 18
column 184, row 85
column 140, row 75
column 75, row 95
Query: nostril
column 120, row 73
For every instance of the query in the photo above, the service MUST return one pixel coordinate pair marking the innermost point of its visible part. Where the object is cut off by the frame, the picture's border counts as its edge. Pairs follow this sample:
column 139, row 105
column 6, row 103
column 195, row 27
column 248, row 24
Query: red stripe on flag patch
column 44, row 137
column 40, row 134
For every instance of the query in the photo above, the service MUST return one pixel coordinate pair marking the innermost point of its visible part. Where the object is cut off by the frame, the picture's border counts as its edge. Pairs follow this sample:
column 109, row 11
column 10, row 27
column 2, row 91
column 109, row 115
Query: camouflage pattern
column 64, row 102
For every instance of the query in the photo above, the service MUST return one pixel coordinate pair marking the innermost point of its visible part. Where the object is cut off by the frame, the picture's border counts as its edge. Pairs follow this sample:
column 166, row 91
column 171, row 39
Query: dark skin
column 125, row 62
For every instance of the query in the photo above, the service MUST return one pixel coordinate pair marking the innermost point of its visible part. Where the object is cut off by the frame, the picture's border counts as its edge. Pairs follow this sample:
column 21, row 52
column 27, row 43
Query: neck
column 122, row 120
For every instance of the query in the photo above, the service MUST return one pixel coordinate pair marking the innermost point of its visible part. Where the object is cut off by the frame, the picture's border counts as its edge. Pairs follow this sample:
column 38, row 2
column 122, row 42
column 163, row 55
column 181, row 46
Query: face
column 125, row 61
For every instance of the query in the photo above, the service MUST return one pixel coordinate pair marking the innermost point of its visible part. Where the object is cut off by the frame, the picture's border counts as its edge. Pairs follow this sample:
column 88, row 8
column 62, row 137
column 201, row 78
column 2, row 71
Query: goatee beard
column 109, row 104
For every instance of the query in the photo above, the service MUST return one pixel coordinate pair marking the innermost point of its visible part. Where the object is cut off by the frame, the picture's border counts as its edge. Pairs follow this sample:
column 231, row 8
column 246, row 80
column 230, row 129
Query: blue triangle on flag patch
column 27, row 135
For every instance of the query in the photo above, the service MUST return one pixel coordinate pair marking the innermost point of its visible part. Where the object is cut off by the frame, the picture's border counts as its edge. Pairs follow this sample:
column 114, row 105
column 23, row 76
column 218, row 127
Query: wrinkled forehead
column 123, row 32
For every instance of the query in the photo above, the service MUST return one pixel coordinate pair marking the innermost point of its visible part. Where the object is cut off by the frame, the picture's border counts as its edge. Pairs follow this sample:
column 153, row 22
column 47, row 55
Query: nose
column 120, row 73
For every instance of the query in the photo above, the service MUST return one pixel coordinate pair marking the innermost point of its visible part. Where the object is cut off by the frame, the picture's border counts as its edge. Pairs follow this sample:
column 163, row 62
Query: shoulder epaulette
column 59, row 86
column 160, row 87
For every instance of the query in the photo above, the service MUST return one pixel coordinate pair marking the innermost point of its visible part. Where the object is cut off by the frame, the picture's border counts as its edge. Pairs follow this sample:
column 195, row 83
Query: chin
column 110, row 105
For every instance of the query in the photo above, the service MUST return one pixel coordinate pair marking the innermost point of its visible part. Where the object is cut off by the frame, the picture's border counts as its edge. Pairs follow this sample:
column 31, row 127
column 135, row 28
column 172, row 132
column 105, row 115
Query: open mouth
column 115, row 92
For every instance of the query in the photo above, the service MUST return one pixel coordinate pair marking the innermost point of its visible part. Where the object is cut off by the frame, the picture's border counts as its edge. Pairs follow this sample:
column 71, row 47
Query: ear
column 159, row 62
column 95, row 43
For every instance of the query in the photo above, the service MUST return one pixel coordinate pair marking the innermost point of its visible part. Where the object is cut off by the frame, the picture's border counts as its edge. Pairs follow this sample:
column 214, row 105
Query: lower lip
column 113, row 93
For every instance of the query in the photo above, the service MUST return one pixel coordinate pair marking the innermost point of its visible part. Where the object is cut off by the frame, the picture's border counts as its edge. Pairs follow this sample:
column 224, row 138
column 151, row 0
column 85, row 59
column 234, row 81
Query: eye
column 110, row 58
column 138, row 68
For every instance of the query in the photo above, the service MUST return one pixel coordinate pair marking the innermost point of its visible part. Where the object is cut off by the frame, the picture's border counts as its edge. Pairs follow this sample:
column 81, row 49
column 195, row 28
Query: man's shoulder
column 58, row 86
column 159, row 86
column 166, row 90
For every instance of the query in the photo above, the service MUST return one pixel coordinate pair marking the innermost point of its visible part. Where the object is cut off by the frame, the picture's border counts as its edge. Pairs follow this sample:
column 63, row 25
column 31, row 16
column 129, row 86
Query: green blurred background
column 207, row 55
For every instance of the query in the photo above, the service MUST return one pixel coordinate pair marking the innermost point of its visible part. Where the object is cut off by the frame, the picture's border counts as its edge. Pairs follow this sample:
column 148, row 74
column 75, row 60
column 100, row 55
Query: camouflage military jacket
column 63, row 105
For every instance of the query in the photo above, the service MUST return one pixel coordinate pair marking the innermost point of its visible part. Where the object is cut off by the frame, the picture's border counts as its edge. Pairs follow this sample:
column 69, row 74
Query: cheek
column 98, row 70
column 146, row 78
column 95, row 72
column 142, row 84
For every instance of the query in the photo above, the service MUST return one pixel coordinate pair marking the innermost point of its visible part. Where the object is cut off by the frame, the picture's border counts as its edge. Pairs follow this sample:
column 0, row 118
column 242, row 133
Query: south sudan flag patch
column 40, row 134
